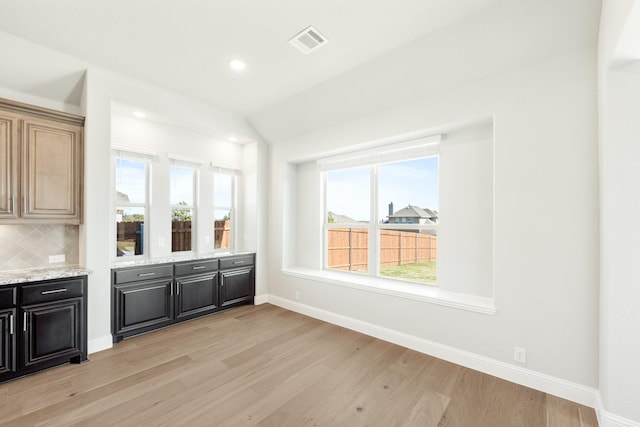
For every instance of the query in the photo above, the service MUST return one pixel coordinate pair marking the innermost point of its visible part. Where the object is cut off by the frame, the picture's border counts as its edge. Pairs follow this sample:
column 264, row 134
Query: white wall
column 546, row 217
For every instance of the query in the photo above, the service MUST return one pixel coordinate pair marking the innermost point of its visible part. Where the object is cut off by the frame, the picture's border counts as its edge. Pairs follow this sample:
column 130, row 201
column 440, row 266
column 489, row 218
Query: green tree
column 181, row 214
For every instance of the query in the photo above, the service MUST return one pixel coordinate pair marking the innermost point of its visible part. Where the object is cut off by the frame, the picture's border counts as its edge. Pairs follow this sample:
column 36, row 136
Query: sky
column 413, row 182
column 130, row 180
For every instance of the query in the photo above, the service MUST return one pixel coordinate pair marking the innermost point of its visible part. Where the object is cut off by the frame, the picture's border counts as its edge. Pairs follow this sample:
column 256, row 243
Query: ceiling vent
column 308, row 40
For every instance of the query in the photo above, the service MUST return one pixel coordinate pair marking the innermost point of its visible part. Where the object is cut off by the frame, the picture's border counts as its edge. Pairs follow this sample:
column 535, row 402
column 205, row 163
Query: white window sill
column 398, row 288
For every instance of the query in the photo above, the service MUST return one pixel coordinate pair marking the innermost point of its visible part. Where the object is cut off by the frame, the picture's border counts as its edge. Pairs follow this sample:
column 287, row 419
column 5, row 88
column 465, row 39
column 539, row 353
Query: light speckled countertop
column 177, row 258
column 10, row 277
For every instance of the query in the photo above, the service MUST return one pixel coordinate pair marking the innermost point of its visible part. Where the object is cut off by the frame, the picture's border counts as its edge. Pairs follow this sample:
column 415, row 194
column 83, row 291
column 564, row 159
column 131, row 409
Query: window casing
column 224, row 212
column 183, row 190
column 131, row 206
column 363, row 233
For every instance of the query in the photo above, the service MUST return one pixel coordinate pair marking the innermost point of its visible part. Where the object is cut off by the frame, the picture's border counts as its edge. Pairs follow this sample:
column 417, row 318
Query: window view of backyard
column 131, row 201
column 407, row 240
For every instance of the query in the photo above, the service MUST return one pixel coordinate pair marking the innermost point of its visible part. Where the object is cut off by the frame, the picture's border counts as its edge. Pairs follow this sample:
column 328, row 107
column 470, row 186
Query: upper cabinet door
column 8, row 165
column 52, row 171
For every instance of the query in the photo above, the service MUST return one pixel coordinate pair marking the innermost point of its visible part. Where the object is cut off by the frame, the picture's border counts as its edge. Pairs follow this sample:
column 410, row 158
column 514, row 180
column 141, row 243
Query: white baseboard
column 607, row 419
column 98, row 344
column 261, row 299
column 536, row 380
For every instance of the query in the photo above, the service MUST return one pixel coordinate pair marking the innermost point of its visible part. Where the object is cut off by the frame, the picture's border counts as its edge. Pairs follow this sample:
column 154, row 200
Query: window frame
column 194, row 207
column 235, row 180
column 146, row 160
column 413, row 150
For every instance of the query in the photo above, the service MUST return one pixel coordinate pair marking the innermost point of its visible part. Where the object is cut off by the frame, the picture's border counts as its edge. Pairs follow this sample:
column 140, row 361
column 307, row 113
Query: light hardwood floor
column 263, row 365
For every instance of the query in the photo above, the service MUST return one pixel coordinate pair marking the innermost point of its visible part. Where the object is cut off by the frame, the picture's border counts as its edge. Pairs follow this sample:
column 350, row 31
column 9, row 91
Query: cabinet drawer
column 7, row 297
column 52, row 291
column 142, row 273
column 236, row 262
column 196, row 267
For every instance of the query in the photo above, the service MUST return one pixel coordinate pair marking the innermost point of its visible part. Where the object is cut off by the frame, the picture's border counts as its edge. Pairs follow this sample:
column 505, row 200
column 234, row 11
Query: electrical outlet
column 207, row 240
column 161, row 241
column 56, row 258
column 297, row 295
column 520, row 354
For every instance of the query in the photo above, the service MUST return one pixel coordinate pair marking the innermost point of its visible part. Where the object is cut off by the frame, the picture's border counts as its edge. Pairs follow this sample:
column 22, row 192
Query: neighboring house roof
column 341, row 219
column 416, row 212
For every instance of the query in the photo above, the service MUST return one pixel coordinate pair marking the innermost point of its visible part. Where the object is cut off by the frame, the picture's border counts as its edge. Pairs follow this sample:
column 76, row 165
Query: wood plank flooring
column 266, row 366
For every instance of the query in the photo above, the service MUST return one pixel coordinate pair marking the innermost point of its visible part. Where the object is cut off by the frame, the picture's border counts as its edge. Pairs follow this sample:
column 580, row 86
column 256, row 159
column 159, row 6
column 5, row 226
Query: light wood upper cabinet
column 42, row 165
column 8, row 165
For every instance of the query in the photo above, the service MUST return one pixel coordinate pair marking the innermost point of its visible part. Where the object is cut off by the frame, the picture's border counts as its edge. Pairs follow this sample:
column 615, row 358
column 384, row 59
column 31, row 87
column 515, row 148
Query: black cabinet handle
column 54, row 291
column 238, row 262
column 200, row 267
column 145, row 274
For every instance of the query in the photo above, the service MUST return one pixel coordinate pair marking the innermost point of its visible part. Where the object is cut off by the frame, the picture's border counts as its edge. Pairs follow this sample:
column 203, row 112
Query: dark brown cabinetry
column 196, row 288
column 7, row 329
column 47, row 325
column 142, row 299
column 237, row 282
column 151, row 297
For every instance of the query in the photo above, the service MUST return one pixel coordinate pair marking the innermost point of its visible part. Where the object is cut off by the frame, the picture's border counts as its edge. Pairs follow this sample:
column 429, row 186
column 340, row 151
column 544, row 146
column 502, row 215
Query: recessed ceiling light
column 140, row 114
column 237, row 64
column 233, row 139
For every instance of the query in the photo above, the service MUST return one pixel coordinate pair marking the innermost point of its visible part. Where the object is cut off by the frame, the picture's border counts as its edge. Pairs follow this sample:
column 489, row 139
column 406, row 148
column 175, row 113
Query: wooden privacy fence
column 132, row 234
column 348, row 248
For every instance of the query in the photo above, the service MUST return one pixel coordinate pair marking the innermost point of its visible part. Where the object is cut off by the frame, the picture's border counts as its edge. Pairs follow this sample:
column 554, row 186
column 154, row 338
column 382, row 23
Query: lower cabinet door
column 142, row 305
column 52, row 330
column 236, row 286
column 196, row 295
column 7, row 340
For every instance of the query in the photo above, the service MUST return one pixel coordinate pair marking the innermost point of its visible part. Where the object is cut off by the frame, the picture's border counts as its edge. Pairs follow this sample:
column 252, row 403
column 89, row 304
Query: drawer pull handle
column 54, row 291
column 199, row 267
column 24, row 321
column 11, row 325
column 238, row 262
column 145, row 274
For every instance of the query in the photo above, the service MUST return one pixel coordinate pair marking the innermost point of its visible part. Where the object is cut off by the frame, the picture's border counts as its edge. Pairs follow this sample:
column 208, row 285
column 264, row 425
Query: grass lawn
column 425, row 272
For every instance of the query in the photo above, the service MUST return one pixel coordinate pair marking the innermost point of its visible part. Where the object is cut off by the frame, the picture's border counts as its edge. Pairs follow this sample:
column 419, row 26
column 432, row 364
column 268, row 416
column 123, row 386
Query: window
column 131, row 206
column 366, row 234
column 182, row 200
column 223, row 210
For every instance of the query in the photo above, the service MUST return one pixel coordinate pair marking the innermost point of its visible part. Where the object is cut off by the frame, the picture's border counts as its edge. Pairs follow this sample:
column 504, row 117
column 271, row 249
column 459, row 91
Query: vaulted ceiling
column 185, row 46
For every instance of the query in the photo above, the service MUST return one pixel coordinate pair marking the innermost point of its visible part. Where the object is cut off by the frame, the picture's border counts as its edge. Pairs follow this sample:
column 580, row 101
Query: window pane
column 181, row 186
column 130, row 181
column 222, row 229
column 181, row 229
column 348, row 195
column 223, row 190
column 129, row 231
column 348, row 249
column 408, row 192
column 409, row 255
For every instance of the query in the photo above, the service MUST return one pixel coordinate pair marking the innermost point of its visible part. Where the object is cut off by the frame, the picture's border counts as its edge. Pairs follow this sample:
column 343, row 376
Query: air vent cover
column 308, row 40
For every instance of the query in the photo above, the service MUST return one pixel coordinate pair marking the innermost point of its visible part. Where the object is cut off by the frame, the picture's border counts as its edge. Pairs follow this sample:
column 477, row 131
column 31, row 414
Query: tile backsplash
column 29, row 246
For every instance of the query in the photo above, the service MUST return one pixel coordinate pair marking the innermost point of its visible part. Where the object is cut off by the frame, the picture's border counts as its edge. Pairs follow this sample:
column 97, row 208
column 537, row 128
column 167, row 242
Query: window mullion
column 374, row 239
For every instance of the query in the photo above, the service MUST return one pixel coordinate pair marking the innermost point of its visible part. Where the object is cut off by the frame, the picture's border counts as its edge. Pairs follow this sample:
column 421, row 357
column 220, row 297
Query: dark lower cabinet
column 8, row 340
column 52, row 330
column 142, row 306
column 236, row 286
column 46, row 325
column 196, row 295
column 145, row 298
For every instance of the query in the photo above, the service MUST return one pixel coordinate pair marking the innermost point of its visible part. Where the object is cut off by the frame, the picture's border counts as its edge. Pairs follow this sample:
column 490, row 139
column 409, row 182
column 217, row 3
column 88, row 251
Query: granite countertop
column 10, row 277
column 176, row 258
